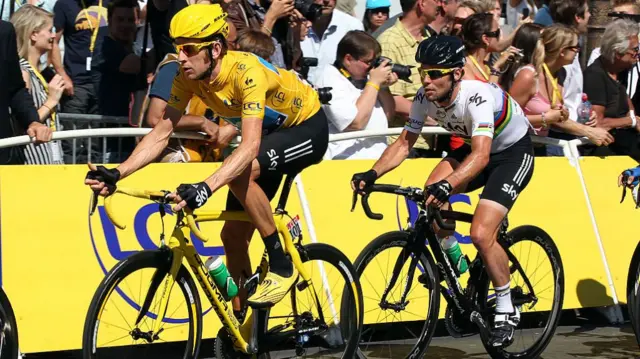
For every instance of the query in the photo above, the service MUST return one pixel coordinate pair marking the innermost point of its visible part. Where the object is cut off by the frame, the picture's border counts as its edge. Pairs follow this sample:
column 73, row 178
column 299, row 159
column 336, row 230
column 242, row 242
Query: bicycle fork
column 454, row 294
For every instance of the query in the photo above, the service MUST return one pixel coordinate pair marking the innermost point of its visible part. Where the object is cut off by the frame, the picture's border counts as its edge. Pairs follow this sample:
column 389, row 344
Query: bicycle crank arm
column 485, row 332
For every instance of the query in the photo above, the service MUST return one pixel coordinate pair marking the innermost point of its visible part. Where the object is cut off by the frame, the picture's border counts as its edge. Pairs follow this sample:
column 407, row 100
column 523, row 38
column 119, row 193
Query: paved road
column 570, row 342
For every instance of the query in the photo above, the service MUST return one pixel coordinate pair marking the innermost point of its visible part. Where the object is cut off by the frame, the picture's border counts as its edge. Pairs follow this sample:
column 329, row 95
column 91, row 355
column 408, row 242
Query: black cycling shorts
column 507, row 173
column 288, row 151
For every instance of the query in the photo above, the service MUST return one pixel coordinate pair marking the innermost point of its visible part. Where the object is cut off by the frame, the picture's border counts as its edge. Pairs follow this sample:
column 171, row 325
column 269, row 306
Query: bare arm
column 56, row 58
column 364, row 104
column 403, row 106
column 474, row 163
column 609, row 123
column 241, row 158
column 397, row 152
column 152, row 144
column 388, row 103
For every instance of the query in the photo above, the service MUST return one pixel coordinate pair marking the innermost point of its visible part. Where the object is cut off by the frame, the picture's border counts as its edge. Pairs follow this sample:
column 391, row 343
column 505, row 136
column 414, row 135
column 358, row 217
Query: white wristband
column 633, row 118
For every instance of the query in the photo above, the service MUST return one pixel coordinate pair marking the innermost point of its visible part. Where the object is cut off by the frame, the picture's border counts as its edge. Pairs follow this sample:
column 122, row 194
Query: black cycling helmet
column 442, row 51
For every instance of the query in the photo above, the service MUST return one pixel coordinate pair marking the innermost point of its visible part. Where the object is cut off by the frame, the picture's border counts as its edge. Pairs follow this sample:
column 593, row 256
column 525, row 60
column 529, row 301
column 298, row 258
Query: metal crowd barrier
column 121, row 128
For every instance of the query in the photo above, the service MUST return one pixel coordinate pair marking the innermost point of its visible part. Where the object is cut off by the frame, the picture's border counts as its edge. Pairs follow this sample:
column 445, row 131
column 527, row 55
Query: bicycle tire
column 633, row 290
column 348, row 324
column 10, row 345
column 141, row 260
column 539, row 236
column 401, row 239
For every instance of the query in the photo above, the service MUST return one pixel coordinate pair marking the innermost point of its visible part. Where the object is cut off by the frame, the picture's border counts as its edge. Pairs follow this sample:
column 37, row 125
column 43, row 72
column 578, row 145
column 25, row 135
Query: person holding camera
column 360, row 96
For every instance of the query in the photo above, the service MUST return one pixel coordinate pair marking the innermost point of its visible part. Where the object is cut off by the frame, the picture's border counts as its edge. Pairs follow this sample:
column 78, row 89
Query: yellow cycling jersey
column 248, row 86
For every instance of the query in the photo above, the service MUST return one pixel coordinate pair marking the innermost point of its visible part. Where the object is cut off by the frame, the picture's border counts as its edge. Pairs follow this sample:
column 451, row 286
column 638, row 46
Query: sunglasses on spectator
column 634, row 51
column 575, row 48
column 192, row 49
column 495, row 34
column 434, row 74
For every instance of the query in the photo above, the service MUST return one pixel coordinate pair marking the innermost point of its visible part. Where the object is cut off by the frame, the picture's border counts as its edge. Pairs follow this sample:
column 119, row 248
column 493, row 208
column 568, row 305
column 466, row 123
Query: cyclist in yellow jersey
column 282, row 125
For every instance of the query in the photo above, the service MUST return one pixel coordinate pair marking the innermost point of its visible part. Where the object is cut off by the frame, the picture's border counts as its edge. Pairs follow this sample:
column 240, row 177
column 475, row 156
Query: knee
column 482, row 237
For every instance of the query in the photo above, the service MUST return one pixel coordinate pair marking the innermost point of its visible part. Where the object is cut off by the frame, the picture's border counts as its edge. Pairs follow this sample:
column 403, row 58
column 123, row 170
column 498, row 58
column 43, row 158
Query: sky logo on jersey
column 111, row 245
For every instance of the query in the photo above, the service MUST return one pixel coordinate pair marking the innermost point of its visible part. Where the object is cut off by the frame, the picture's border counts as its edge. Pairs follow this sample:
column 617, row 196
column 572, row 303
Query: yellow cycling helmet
column 199, row 21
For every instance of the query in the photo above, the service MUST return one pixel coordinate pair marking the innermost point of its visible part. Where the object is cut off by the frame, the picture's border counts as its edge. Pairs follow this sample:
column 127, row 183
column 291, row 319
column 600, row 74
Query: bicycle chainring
column 456, row 325
column 223, row 347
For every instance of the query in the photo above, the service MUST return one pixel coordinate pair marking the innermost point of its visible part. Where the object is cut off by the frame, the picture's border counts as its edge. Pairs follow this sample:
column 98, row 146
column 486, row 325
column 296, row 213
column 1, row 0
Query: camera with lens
column 308, row 9
column 403, row 71
column 324, row 94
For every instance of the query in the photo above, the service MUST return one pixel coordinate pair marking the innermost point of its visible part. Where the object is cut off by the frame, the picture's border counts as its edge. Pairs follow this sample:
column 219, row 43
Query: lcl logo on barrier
column 412, row 208
column 116, row 252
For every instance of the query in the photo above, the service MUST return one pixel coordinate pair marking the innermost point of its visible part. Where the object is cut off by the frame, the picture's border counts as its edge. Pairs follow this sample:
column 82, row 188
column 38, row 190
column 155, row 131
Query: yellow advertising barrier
column 617, row 223
column 54, row 255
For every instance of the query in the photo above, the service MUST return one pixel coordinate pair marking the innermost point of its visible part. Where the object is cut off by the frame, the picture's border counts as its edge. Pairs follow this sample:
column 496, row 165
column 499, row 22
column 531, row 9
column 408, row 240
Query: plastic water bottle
column 222, row 278
column 452, row 248
column 584, row 110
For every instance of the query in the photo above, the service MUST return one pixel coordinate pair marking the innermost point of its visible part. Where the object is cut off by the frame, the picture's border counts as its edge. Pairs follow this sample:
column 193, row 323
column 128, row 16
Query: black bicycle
column 8, row 329
column 401, row 259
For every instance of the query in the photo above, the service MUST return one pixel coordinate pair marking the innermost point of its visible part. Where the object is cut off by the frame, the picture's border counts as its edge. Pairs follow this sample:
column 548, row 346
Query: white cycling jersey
column 480, row 109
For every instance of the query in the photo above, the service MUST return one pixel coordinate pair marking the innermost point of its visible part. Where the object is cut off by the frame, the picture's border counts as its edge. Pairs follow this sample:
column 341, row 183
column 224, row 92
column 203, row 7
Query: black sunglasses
column 495, row 34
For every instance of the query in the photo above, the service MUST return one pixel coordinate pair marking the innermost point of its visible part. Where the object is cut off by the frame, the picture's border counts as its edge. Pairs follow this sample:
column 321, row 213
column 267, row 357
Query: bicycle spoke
column 115, row 340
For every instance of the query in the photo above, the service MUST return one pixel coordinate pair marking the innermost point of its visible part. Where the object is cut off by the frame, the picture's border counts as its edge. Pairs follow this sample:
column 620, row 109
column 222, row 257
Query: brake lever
column 94, row 202
column 625, row 177
column 354, row 201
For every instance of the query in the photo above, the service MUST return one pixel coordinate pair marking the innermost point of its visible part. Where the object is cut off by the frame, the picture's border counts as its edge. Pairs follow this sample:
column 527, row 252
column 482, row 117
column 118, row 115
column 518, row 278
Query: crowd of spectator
column 115, row 58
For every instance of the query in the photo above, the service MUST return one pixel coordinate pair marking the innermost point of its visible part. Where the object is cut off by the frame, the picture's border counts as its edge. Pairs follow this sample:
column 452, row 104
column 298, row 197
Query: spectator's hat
column 374, row 4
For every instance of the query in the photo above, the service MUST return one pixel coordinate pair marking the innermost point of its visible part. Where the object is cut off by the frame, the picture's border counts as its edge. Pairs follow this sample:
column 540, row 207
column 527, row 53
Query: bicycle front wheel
column 115, row 328
column 401, row 323
column 311, row 324
column 537, row 289
column 8, row 329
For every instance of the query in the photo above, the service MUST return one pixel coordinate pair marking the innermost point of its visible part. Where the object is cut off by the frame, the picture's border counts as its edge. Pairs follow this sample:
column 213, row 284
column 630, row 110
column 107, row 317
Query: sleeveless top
column 537, row 103
column 45, row 153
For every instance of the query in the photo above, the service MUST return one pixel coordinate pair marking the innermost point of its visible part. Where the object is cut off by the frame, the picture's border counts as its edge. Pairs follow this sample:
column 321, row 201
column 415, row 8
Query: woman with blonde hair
column 35, row 37
column 528, row 84
column 561, row 47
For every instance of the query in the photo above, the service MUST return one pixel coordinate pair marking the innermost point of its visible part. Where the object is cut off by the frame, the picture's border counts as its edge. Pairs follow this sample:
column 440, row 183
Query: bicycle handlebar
column 157, row 196
column 413, row 193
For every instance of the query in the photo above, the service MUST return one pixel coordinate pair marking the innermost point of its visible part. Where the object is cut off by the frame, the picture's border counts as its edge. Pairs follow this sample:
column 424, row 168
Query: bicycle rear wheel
column 311, row 324
column 399, row 330
column 8, row 329
column 110, row 327
column 537, row 290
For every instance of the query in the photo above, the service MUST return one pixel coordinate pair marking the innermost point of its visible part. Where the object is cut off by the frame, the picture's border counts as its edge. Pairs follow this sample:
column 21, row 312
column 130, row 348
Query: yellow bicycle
column 153, row 297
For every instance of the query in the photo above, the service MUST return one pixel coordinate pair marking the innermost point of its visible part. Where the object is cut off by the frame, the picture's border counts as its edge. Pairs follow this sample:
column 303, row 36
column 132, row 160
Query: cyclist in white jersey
column 499, row 157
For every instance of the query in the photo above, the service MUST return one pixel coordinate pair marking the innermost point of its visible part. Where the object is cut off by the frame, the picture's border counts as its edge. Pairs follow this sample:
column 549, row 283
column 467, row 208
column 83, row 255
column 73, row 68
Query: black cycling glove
column 110, row 176
column 441, row 190
column 196, row 195
column 368, row 178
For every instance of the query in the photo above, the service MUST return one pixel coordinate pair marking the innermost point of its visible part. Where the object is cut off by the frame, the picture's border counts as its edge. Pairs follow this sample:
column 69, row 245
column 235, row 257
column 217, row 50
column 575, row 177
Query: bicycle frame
column 181, row 248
